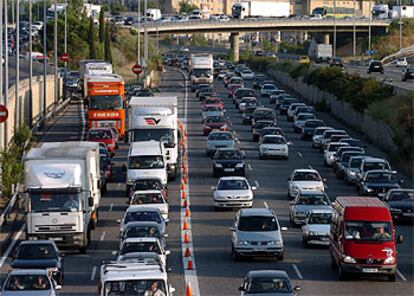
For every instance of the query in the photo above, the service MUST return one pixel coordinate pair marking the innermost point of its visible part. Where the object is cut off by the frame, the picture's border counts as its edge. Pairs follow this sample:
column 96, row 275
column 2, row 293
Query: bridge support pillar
column 235, row 46
column 326, row 38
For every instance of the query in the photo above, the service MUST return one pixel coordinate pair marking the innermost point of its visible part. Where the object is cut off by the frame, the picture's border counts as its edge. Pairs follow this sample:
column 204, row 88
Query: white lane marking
column 11, row 246
column 102, row 236
column 249, row 167
column 257, row 183
column 298, row 273
column 82, row 110
column 93, row 274
column 266, row 205
column 401, row 275
column 300, row 154
column 111, row 206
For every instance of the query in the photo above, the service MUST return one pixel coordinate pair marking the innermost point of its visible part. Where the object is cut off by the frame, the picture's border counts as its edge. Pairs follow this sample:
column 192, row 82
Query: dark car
column 336, row 61
column 375, row 66
column 39, row 254
column 277, row 94
column 203, row 87
column 228, row 161
column 264, row 114
column 401, row 203
column 204, row 94
column 258, row 126
column 284, row 106
column 377, row 183
column 147, row 184
column 271, row 131
column 258, row 81
column 247, row 115
column 353, row 142
column 407, row 73
column 308, row 128
column 106, row 166
column 341, row 164
column 243, row 92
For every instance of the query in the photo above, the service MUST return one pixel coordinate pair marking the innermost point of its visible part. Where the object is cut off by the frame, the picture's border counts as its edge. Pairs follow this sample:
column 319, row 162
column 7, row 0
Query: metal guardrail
column 405, row 52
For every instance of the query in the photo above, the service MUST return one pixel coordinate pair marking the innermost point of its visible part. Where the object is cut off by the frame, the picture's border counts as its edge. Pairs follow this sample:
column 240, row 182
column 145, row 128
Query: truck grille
column 56, row 228
column 370, row 261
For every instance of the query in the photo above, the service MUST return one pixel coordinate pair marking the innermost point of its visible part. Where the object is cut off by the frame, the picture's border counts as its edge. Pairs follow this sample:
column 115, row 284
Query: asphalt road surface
column 217, row 273
column 24, row 70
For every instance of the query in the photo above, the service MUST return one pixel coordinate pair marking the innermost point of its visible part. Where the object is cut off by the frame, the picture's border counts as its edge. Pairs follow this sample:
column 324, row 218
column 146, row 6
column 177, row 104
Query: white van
column 146, row 160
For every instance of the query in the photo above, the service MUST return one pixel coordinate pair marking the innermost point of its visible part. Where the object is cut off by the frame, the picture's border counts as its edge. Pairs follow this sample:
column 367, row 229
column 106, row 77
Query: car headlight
column 389, row 260
column 243, row 242
column 294, row 188
column 349, row 259
column 223, row 127
column 368, row 189
column 218, row 165
column 331, row 157
column 130, row 181
column 275, row 243
column 352, row 173
column 240, row 165
column 313, row 233
column 395, row 210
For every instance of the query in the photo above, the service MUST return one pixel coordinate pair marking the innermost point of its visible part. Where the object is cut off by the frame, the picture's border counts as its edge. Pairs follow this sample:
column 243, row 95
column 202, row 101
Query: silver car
column 233, row 192
column 306, row 201
column 256, row 232
column 317, row 227
column 219, row 139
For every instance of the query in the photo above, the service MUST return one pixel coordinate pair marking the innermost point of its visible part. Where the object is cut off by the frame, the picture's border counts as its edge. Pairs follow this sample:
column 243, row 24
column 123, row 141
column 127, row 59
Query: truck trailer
column 256, row 9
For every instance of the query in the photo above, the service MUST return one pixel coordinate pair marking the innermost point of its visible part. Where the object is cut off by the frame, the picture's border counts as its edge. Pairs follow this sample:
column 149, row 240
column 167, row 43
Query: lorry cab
column 362, row 238
column 146, row 160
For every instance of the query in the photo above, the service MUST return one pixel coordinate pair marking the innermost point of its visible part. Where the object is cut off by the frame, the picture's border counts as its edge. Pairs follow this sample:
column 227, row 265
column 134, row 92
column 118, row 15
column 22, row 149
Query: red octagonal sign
column 137, row 69
column 64, row 57
column 4, row 113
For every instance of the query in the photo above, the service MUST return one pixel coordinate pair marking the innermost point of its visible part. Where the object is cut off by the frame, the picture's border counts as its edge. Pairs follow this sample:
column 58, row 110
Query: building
column 210, row 6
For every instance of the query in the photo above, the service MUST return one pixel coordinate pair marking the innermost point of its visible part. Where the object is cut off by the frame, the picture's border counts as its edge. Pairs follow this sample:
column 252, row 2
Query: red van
column 362, row 239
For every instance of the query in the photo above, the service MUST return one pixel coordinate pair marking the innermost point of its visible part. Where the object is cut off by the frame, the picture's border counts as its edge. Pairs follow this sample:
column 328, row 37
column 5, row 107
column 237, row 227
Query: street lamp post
column 44, row 58
column 6, row 64
column 334, row 33
column 66, row 46
column 400, row 25
column 17, row 82
column 354, row 32
column 145, row 38
column 139, row 34
column 2, row 101
column 369, row 28
column 55, row 53
column 30, row 66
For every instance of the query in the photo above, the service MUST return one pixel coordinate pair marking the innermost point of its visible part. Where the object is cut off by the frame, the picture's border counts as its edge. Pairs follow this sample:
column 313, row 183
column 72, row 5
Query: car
column 407, row 73
column 211, row 110
column 219, row 139
column 317, row 227
column 103, row 135
column 353, row 142
column 206, row 93
column 241, row 93
column 302, row 180
column 106, row 166
column 247, row 74
column 352, row 169
column 247, row 115
column 401, row 62
column 306, row 131
column 375, row 66
column 303, row 109
column 228, row 161
column 214, row 123
column 401, row 204
column 273, row 130
column 284, row 106
column 38, row 25
column 258, row 126
column 378, row 182
column 143, row 229
column 267, row 89
column 39, row 254
column 268, row 282
column 236, row 80
column 213, row 101
column 300, row 119
column 330, row 152
column 342, row 162
column 202, row 87
column 327, row 135
column 185, row 49
column 258, row 80
column 291, row 110
column 280, row 93
column 143, row 214
column 274, row 146
column 256, row 232
column 231, row 90
column 336, row 61
column 26, row 282
column 306, row 201
column 304, row 60
column 222, row 74
column 233, row 192
column 342, row 149
column 247, row 102
column 371, row 163
column 226, row 78
column 150, row 198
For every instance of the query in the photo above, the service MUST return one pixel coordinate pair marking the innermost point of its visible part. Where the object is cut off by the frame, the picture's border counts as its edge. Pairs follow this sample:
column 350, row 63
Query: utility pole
column 6, row 65
column 145, row 38
column 334, row 33
column 30, row 67
column 2, row 101
column 354, row 32
column 44, row 58
column 400, row 25
column 17, row 83
column 66, row 46
column 139, row 34
column 369, row 29
column 55, row 53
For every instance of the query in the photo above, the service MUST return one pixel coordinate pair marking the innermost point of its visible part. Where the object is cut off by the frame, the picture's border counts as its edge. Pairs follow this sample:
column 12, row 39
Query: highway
column 217, row 273
column 24, row 70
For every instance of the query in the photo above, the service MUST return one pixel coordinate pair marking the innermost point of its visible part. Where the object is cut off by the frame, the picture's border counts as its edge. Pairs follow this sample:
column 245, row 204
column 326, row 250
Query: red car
column 232, row 89
column 214, row 123
column 213, row 102
column 103, row 135
column 106, row 166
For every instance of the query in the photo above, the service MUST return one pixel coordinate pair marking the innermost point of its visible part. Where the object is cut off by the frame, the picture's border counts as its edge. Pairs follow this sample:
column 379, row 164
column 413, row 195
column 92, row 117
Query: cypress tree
column 91, row 39
column 101, row 26
column 107, row 45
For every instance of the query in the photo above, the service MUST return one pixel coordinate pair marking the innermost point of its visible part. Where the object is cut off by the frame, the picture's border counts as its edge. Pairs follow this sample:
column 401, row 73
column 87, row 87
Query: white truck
column 60, row 190
column 255, row 9
column 153, row 14
column 320, row 52
column 200, row 66
column 156, row 118
column 60, row 9
column 92, row 10
column 89, row 68
column 402, row 11
column 381, row 11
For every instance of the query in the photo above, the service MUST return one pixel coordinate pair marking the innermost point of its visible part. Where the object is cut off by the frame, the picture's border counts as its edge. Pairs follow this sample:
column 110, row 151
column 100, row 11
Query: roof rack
column 141, row 265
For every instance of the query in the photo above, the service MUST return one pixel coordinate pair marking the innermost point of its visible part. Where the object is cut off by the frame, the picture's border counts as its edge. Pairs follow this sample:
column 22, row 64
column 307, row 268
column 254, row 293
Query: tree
column 91, row 39
column 107, row 45
column 186, row 7
column 101, row 26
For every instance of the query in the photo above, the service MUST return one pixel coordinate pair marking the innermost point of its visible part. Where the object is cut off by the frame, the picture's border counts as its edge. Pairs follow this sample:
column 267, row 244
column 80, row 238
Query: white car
column 233, row 192
column 222, row 74
column 247, row 74
column 304, row 180
column 291, row 110
column 330, row 152
column 316, row 17
column 274, row 146
column 267, row 89
column 317, row 227
column 152, row 199
column 317, row 135
column 185, row 49
column 300, row 121
column 247, row 102
column 38, row 25
column 401, row 62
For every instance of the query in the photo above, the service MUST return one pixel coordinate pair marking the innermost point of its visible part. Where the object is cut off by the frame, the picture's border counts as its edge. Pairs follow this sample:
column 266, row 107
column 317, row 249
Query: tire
column 391, row 278
column 286, row 157
column 103, row 191
column 342, row 275
column 280, row 257
column 87, row 239
column 236, row 257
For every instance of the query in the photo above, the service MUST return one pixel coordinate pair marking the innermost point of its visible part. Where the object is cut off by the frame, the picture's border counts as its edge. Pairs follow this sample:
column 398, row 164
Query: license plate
column 229, row 170
column 57, row 238
column 376, row 67
column 54, row 227
column 408, row 214
column 258, row 249
column 370, row 270
column 324, row 238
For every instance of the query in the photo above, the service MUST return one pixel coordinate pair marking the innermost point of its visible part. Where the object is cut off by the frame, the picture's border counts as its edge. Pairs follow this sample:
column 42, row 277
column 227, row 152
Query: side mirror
column 90, row 202
column 401, row 181
column 213, row 188
column 400, row 239
column 167, row 220
column 114, row 253
column 254, row 188
column 171, row 289
column 324, row 180
column 284, row 228
column 167, row 252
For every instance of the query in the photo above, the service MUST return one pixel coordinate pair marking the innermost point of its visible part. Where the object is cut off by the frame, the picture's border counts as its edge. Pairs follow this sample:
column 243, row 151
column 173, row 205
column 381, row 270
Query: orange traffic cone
column 183, row 194
column 188, row 291
column 184, row 170
column 185, row 178
column 182, row 186
column 187, row 252
column 187, row 212
column 184, row 156
column 185, row 225
column 190, row 264
column 185, row 204
column 186, row 238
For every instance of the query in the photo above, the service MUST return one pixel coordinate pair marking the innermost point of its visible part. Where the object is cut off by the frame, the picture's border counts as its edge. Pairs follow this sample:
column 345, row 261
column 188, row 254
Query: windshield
column 261, row 125
column 212, row 109
column 27, row 283
column 381, row 178
column 36, row 251
column 258, row 223
column 319, row 218
column 249, row 110
column 212, row 102
column 402, row 196
column 164, row 135
column 369, row 166
column 147, row 198
column 146, row 162
column 139, row 247
column 312, row 123
column 271, row 131
column 100, row 134
column 269, row 86
column 335, row 147
column 220, row 137
column 141, row 231
column 313, row 200
column 368, row 231
column 306, row 176
column 319, row 131
column 215, row 119
column 232, row 185
column 274, row 140
column 347, row 156
column 54, row 202
column 134, row 287
column 105, row 102
column 244, row 93
column 264, row 113
column 268, row 285
column 229, row 154
column 202, row 72
column 355, row 163
column 146, row 184
column 142, row 216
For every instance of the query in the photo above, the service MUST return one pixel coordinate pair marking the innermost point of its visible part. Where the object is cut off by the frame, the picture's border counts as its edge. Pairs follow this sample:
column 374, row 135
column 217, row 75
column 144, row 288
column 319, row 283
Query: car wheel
column 280, row 257
column 333, row 264
column 261, row 156
column 342, row 275
column 391, row 278
column 235, row 255
column 287, row 157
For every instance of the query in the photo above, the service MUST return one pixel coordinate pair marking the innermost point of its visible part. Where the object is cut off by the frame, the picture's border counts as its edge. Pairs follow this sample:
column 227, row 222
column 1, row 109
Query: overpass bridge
column 235, row 26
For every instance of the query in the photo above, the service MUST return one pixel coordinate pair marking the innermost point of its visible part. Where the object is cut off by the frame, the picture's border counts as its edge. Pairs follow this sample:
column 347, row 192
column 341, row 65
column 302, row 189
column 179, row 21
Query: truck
column 255, row 9
column 381, row 11
column 106, row 98
column 153, row 14
column 89, row 68
column 62, row 194
column 402, row 11
column 320, row 52
column 156, row 118
column 200, row 66
column 92, row 10
column 60, row 9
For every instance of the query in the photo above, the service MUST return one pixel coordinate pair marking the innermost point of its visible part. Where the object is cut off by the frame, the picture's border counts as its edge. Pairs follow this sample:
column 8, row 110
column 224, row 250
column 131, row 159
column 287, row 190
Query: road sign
column 137, row 69
column 4, row 113
column 64, row 57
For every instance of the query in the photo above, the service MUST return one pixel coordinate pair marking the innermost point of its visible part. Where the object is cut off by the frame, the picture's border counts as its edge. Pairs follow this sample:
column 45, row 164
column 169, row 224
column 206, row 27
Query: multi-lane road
column 217, row 273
